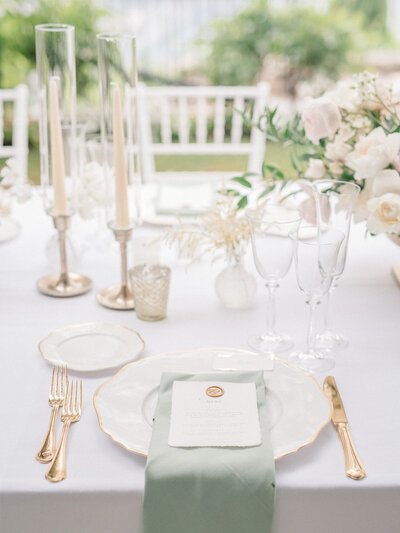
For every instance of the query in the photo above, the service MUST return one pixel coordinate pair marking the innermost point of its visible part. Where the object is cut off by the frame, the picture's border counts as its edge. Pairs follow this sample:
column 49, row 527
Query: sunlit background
column 299, row 46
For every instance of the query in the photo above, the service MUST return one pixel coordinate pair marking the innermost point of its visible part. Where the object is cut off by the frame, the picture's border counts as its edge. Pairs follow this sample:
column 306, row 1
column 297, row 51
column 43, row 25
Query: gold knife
column 354, row 468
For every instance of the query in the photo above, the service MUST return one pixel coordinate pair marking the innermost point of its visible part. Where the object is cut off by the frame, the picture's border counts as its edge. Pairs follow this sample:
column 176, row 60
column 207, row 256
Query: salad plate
column 92, row 346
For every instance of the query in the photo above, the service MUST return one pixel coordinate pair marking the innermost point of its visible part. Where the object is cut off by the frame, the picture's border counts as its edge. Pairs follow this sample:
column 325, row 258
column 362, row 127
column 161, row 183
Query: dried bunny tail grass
column 224, row 228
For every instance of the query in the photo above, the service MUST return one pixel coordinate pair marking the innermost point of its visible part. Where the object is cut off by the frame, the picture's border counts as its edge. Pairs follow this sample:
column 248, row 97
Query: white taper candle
column 121, row 175
column 57, row 151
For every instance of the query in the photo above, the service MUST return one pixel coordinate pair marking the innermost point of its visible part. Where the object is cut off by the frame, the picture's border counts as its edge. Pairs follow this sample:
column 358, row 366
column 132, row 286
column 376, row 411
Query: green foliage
column 17, row 37
column 240, row 45
column 311, row 40
column 373, row 12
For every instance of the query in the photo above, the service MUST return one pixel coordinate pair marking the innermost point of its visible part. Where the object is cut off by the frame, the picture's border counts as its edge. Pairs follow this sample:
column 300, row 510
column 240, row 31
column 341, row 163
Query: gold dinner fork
column 56, row 400
column 72, row 410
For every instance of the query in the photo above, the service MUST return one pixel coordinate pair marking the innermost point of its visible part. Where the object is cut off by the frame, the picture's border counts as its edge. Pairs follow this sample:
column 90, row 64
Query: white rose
column 11, row 172
column 316, row 169
column 346, row 96
column 337, row 150
column 384, row 214
column 360, row 205
column 387, row 180
column 321, row 118
column 372, row 153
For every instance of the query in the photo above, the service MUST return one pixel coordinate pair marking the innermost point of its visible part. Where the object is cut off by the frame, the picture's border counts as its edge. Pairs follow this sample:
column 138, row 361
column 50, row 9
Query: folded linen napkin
column 203, row 489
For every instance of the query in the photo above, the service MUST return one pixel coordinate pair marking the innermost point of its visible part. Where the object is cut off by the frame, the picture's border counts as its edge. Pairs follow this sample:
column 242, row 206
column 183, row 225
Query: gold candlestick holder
column 119, row 297
column 65, row 284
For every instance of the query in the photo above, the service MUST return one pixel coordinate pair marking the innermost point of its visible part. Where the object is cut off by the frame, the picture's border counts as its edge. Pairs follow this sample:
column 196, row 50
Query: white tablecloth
column 104, row 489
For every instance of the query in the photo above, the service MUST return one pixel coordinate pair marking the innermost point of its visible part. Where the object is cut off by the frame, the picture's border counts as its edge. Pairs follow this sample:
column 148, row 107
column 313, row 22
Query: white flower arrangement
column 92, row 193
column 12, row 185
column 351, row 133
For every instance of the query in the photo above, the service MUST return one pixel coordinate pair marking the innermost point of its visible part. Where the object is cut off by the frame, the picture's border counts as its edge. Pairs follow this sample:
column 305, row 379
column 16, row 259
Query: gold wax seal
column 214, row 391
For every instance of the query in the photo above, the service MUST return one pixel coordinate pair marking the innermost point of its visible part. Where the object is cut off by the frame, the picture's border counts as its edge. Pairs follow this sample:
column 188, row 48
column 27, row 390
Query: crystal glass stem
column 312, row 328
column 271, row 308
column 326, row 313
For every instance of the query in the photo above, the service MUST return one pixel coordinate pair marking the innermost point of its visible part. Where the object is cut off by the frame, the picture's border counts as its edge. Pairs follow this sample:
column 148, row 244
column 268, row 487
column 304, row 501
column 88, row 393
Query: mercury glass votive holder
column 150, row 286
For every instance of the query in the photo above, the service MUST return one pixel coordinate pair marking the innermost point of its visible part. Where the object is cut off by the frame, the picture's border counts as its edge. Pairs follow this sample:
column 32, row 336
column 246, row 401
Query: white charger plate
column 297, row 407
column 92, row 347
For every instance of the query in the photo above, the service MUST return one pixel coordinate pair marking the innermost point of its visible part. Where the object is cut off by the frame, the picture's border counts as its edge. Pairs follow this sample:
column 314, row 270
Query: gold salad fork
column 71, row 412
column 56, row 400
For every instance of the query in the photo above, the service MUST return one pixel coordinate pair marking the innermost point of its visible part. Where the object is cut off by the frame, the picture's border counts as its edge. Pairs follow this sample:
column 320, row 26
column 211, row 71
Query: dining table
column 103, row 491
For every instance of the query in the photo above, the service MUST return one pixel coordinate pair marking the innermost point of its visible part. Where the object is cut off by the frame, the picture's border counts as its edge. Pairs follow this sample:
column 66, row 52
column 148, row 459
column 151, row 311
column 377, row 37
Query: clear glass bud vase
column 234, row 286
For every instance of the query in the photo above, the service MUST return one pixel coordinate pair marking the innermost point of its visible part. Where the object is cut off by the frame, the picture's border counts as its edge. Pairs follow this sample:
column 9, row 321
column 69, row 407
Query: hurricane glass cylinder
column 118, row 111
column 55, row 60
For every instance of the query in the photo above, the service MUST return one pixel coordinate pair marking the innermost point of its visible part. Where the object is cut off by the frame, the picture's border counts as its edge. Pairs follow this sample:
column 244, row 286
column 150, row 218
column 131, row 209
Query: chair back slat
column 183, row 120
column 172, row 111
column 219, row 120
column 201, row 120
column 237, row 120
column 165, row 119
column 18, row 148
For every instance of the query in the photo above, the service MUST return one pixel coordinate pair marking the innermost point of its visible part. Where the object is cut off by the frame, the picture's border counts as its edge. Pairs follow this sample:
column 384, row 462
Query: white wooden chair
column 19, row 145
column 175, row 111
column 194, row 120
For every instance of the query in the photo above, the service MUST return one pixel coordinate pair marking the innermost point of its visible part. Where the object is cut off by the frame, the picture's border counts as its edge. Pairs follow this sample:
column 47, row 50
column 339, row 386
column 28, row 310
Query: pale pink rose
column 321, row 118
column 316, row 169
column 308, row 207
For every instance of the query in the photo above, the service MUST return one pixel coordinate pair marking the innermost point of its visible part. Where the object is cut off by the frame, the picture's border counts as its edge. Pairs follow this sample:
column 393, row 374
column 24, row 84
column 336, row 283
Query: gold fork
column 56, row 400
column 72, row 410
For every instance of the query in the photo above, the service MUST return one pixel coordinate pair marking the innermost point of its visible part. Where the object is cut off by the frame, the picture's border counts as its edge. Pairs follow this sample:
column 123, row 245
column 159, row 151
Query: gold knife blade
column 331, row 390
column 354, row 468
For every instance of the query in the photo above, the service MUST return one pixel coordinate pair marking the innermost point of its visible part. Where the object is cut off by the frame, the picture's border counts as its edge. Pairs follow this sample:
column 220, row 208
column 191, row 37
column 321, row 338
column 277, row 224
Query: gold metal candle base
column 66, row 284
column 116, row 297
column 64, row 287
column 119, row 297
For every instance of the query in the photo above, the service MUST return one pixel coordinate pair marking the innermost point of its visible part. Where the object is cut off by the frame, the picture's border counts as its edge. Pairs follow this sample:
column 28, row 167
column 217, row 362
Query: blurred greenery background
column 299, row 50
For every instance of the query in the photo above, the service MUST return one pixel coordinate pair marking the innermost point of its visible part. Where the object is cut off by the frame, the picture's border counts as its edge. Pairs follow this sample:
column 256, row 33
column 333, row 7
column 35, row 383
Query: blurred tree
column 374, row 12
column 17, row 36
column 310, row 40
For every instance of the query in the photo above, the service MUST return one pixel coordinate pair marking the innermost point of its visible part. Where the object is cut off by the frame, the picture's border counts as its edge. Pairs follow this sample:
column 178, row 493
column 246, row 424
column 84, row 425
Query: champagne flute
column 273, row 254
column 334, row 202
column 315, row 256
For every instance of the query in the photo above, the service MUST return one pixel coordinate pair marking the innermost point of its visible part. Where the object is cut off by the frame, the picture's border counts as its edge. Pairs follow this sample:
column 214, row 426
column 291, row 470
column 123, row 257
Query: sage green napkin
column 203, row 489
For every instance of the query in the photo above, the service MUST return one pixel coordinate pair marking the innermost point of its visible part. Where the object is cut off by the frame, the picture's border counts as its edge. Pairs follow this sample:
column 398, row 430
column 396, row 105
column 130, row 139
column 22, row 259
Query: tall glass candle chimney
column 119, row 125
column 55, row 60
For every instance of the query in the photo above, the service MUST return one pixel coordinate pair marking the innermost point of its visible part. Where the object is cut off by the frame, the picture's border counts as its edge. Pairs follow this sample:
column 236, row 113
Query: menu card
column 214, row 414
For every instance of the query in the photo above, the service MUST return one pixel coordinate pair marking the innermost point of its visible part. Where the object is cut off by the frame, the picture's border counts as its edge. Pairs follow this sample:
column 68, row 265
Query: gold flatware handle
column 58, row 471
column 354, row 468
column 48, row 447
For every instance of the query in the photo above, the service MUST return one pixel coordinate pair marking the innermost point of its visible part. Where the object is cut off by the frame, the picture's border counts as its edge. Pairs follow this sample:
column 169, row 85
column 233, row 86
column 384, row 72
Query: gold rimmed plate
column 297, row 407
column 92, row 347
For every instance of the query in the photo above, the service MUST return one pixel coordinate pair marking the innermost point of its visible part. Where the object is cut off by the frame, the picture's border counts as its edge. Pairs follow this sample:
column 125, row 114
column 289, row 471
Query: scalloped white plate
column 298, row 408
column 92, row 347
